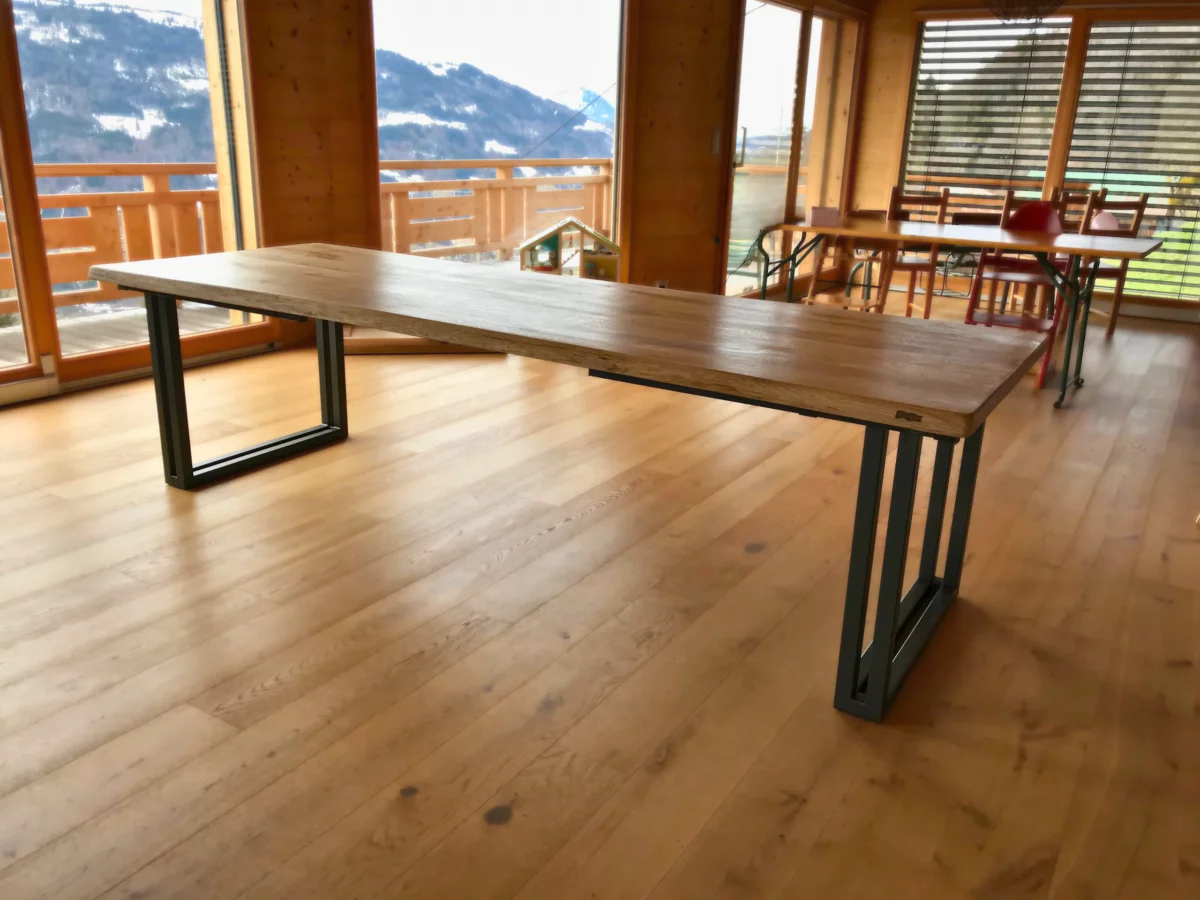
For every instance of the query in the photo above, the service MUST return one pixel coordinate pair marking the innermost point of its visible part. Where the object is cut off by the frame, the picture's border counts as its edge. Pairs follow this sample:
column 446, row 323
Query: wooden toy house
column 571, row 248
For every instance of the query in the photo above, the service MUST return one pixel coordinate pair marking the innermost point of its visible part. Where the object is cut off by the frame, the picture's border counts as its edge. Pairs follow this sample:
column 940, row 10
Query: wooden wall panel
column 304, row 121
column 677, row 118
column 311, row 80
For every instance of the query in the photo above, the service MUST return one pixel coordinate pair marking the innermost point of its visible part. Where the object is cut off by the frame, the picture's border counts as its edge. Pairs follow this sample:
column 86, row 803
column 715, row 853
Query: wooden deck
column 530, row 634
column 84, row 334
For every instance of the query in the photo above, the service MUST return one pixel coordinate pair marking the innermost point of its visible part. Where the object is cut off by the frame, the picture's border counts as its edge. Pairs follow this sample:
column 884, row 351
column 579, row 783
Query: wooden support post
column 504, row 211
column 400, row 227
column 162, row 217
column 588, row 213
column 604, row 197
column 1068, row 104
column 479, row 217
column 385, row 223
column 106, row 238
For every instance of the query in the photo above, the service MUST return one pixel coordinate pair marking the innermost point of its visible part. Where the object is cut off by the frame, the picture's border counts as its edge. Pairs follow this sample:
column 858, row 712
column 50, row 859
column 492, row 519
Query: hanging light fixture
column 1010, row 11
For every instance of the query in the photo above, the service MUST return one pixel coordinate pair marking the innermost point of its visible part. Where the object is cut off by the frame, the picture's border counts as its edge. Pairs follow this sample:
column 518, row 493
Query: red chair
column 1099, row 218
column 995, row 266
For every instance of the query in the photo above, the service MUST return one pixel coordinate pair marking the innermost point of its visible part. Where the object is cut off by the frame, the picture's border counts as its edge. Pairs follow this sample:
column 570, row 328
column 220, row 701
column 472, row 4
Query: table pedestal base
column 166, row 362
column 868, row 680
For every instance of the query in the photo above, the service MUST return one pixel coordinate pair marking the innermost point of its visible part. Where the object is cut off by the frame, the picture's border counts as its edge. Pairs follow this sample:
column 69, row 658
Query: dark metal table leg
column 858, row 584
column 868, row 680
column 166, row 361
column 1085, row 303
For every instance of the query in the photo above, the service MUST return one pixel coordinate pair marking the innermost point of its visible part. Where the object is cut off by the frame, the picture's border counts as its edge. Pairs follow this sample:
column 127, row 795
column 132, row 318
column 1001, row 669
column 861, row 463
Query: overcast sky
column 555, row 49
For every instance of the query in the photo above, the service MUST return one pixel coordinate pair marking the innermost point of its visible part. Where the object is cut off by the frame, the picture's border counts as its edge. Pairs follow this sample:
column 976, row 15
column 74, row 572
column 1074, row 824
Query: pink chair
column 997, row 267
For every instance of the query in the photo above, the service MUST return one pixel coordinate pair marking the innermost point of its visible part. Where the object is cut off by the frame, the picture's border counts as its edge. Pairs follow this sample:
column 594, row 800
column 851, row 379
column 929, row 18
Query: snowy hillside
column 112, row 83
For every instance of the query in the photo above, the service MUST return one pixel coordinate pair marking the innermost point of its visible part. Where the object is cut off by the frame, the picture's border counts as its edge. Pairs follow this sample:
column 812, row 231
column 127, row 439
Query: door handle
column 738, row 163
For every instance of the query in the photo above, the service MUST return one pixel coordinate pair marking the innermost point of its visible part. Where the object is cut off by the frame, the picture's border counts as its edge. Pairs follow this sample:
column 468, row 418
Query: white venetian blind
column 1138, row 131
column 983, row 108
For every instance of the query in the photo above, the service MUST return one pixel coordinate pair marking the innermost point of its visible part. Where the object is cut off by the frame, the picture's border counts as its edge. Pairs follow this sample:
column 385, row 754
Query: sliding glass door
column 795, row 101
column 766, row 108
column 118, row 105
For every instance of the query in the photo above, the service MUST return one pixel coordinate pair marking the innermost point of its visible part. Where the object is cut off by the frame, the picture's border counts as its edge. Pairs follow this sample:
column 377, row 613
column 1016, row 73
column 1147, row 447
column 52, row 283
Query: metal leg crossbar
column 868, row 679
column 166, row 361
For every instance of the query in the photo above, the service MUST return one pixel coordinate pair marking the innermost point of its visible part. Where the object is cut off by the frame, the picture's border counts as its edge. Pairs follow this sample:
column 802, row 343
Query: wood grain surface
column 939, row 377
column 534, row 635
column 984, row 236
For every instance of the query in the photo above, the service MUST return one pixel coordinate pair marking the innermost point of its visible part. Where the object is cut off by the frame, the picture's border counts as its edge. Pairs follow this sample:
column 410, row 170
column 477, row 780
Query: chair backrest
column 1100, row 216
column 974, row 218
column 1074, row 205
column 1038, row 215
column 901, row 206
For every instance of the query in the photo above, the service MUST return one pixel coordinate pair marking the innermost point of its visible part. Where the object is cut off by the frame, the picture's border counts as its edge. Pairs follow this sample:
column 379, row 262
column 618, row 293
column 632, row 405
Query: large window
column 1136, row 132
column 766, row 108
column 776, row 130
column 983, row 115
column 983, row 109
column 117, row 97
column 832, row 53
column 530, row 87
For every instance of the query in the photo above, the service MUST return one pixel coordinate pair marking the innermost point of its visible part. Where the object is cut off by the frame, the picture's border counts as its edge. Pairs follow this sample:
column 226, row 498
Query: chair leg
column 930, row 278
column 1118, row 290
column 912, row 289
column 993, row 289
column 818, row 265
column 886, row 270
column 1044, row 372
column 975, row 293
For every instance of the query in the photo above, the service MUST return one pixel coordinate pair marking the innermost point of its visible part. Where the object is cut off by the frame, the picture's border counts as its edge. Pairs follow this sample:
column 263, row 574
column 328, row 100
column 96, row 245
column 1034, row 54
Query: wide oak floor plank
column 531, row 634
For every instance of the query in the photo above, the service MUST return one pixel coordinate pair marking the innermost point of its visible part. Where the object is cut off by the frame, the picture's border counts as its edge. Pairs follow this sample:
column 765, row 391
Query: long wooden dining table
column 915, row 379
column 1075, row 280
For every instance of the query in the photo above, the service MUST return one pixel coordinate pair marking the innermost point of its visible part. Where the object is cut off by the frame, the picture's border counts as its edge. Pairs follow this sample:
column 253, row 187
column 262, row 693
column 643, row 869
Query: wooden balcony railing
column 430, row 217
column 482, row 214
column 83, row 229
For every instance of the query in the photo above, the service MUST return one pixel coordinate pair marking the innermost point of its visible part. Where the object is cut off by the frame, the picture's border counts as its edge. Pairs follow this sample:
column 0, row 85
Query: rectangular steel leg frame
column 166, row 361
column 868, row 680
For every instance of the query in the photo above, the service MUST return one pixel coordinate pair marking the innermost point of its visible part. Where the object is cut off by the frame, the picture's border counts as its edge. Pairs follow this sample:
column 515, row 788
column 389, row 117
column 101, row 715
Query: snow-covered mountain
column 113, row 83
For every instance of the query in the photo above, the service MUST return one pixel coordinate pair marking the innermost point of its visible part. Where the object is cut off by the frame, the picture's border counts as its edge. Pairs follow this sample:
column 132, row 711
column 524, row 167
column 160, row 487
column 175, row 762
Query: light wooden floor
column 534, row 635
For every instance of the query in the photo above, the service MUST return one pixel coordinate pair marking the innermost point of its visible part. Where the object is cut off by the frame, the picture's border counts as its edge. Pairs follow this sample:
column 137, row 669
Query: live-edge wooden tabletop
column 937, row 377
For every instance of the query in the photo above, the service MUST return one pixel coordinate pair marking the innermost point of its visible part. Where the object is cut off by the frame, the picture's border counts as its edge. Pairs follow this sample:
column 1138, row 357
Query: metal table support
column 166, row 361
column 1078, row 296
column 791, row 261
column 868, row 679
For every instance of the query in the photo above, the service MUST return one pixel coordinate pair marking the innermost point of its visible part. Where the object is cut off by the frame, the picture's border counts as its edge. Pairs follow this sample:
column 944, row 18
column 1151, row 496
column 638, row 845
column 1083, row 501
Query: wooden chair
column 1022, row 272
column 857, row 253
column 1100, row 217
column 913, row 259
column 1041, row 216
column 1074, row 206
